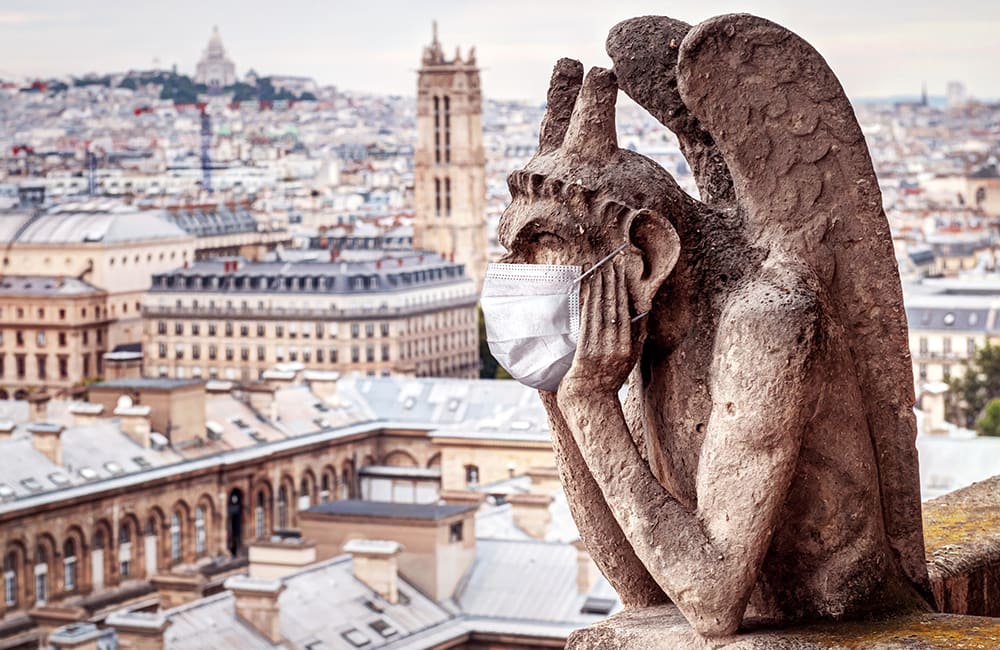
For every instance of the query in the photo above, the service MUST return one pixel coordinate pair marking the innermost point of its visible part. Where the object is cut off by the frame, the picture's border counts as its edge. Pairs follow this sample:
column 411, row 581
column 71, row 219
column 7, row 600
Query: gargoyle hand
column 606, row 351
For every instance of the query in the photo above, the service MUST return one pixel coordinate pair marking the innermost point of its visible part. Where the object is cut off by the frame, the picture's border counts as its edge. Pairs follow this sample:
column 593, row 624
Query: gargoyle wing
column 804, row 180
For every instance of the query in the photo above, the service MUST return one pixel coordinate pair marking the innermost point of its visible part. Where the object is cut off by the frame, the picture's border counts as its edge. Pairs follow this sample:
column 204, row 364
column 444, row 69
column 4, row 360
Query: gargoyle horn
column 564, row 86
column 591, row 132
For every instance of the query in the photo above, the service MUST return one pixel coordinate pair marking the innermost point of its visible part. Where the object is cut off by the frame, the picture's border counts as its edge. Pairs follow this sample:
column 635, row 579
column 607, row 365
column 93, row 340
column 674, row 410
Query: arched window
column 305, row 498
column 125, row 550
column 10, row 579
column 199, row 531
column 175, row 538
column 324, row 492
column 258, row 516
column 69, row 565
column 282, row 507
column 41, row 575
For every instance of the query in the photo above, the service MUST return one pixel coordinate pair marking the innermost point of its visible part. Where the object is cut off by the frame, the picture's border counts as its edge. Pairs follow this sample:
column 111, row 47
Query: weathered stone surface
column 963, row 549
column 764, row 464
column 663, row 628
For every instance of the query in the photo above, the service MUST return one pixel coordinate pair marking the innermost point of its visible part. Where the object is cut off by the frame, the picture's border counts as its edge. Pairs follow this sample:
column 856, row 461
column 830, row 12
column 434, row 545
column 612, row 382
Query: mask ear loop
column 601, row 262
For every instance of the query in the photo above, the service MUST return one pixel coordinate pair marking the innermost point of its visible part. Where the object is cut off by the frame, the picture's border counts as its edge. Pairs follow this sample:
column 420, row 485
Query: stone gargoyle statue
column 763, row 466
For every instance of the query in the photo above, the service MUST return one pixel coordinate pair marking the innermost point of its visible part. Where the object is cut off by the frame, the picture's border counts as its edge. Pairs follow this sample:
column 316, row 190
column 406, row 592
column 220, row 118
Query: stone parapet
column 962, row 541
column 663, row 628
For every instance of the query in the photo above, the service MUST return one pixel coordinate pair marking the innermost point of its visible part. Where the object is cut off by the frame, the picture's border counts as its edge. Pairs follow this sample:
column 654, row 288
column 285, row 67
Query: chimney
column 38, row 407
column 278, row 557
column 932, row 404
column 45, row 438
column 138, row 630
column 544, row 480
column 375, row 564
column 261, row 396
column 586, row 570
column 322, row 383
column 85, row 413
column 6, row 430
column 134, row 422
column 257, row 604
column 531, row 513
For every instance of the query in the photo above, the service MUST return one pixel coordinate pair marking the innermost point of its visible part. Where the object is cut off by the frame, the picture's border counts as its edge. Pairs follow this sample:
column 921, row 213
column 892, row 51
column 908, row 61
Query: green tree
column 989, row 423
column 971, row 393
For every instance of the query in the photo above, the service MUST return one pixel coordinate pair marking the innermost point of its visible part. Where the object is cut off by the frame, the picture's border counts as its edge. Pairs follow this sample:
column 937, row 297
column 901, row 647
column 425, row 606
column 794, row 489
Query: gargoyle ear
column 660, row 246
column 564, row 86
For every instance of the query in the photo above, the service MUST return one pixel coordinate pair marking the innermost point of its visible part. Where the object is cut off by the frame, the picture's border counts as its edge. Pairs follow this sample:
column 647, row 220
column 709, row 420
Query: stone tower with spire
column 450, row 185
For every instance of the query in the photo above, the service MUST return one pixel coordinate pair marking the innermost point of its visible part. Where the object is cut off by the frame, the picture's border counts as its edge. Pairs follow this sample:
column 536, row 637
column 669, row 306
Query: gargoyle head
column 581, row 195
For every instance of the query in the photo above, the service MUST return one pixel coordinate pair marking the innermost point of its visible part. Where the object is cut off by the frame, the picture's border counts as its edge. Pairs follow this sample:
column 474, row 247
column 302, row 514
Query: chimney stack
column 531, row 513
column 375, row 564
column 139, row 630
column 45, row 437
column 134, row 422
column 257, row 604
column 85, row 413
column 274, row 559
column 80, row 636
column 38, row 407
column 261, row 397
column 6, row 430
column 322, row 383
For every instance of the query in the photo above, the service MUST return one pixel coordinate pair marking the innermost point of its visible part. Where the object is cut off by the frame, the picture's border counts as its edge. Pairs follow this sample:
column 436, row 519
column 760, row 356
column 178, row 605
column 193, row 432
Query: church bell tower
column 450, row 184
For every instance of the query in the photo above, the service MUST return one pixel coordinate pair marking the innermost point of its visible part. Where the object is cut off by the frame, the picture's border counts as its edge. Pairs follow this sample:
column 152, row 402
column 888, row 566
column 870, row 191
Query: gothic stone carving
column 763, row 466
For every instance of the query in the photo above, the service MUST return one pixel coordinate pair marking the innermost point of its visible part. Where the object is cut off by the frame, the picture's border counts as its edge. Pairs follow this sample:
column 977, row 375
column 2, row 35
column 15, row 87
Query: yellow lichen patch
column 965, row 519
column 922, row 631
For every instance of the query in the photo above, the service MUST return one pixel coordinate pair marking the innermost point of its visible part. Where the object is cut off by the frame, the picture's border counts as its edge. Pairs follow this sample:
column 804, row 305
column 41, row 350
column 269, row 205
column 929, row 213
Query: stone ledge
column 663, row 628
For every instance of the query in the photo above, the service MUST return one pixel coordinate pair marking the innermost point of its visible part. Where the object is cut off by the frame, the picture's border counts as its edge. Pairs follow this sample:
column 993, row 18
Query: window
column 355, row 354
column 455, row 532
column 229, row 328
column 324, row 492
column 40, row 339
column 385, row 353
column 245, row 353
column 10, row 580
column 211, row 329
column 471, row 475
column 260, row 329
column 319, row 330
column 63, row 367
column 923, row 345
column 41, row 575
column 175, row 537
column 62, row 314
column 384, row 327
column 244, row 329
column 213, row 351
column 195, row 351
column 69, row 565
column 259, row 514
column 162, row 348
column 195, row 329
column 62, row 339
column 179, row 351
column 304, row 497
column 84, row 337
column 19, row 337
column 98, row 336
column 947, row 344
column 370, row 353
column 333, row 355
column 282, row 507
column 261, row 353
column 279, row 330
column 42, row 361
column 355, row 330
column 319, row 356
column 369, row 329
column 199, row 531
column 923, row 370
column 229, row 353
column 293, row 330
column 179, row 328
column 125, row 550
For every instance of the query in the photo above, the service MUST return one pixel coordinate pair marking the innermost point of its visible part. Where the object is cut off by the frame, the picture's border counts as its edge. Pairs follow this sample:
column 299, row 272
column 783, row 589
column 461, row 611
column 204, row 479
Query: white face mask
column 532, row 315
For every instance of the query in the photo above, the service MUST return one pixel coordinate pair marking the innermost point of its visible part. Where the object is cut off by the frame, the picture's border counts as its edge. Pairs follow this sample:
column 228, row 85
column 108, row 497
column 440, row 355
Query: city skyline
column 516, row 46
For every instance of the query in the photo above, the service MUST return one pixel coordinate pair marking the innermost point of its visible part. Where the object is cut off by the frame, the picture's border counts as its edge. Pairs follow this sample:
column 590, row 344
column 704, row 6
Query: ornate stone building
column 450, row 184
column 215, row 70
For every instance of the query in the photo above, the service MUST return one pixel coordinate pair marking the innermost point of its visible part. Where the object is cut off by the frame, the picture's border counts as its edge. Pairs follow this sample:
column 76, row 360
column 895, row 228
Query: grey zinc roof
column 211, row 221
column 389, row 509
column 319, row 605
column 45, row 285
column 529, row 581
column 73, row 223
column 139, row 383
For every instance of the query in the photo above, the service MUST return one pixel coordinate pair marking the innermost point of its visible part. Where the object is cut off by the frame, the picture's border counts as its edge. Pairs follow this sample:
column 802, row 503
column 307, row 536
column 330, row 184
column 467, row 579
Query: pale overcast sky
column 876, row 47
